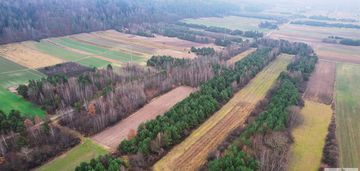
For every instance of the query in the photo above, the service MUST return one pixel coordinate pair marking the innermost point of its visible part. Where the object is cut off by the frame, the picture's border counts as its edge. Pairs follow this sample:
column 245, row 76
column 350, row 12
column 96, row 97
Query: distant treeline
column 325, row 24
column 343, row 41
column 36, row 19
column 321, row 17
column 268, row 25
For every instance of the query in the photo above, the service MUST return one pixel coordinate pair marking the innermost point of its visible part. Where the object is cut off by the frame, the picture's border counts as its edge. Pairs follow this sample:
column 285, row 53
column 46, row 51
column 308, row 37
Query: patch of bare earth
column 112, row 136
column 321, row 84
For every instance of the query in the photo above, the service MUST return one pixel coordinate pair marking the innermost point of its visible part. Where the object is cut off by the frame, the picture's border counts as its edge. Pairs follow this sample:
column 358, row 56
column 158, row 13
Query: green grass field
column 115, row 55
column 68, row 161
column 348, row 114
column 230, row 22
column 9, row 101
column 12, row 74
column 93, row 62
column 309, row 137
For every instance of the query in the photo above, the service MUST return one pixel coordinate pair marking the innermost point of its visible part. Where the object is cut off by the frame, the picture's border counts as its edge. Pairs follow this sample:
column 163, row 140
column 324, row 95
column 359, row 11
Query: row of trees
column 166, row 62
column 165, row 131
column 268, row 25
column 325, row 24
column 267, row 136
column 204, row 51
column 27, row 143
column 102, row 163
column 341, row 40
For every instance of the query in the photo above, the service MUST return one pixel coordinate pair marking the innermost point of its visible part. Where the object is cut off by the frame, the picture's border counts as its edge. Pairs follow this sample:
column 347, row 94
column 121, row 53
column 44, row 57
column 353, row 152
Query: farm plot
column 112, row 136
column 99, row 52
column 159, row 45
column 10, row 101
column 12, row 74
column 240, row 56
column 347, row 114
column 321, row 84
column 309, row 137
column 315, row 35
column 230, row 22
column 27, row 57
column 69, row 160
column 193, row 151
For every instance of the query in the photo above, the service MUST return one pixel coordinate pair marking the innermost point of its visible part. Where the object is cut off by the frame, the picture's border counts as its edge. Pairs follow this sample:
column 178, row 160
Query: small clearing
column 309, row 137
column 112, row 136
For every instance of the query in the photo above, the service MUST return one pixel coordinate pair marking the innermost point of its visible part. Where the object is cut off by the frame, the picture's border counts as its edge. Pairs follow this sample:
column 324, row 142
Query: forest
column 325, row 24
column 36, row 19
column 102, row 163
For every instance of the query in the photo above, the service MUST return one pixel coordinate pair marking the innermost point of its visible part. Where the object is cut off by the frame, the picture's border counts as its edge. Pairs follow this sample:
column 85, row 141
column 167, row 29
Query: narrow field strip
column 112, row 136
column 28, row 57
column 309, row 137
column 238, row 57
column 193, row 151
column 347, row 104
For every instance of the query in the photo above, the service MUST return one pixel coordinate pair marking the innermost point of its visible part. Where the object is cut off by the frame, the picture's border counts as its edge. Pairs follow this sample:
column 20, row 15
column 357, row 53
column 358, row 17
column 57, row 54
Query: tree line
column 341, row 40
column 325, row 24
column 268, row 136
column 165, row 131
column 204, row 51
column 102, row 163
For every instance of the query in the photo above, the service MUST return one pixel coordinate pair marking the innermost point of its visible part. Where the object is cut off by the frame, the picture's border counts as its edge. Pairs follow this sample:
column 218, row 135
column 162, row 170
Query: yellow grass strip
column 25, row 56
column 238, row 57
column 193, row 151
column 306, row 152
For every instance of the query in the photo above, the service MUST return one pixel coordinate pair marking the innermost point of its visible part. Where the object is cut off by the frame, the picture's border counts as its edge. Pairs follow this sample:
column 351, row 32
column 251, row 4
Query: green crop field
column 115, row 55
column 348, row 114
column 9, row 101
column 59, row 52
column 230, row 22
column 68, row 161
column 93, row 62
column 12, row 74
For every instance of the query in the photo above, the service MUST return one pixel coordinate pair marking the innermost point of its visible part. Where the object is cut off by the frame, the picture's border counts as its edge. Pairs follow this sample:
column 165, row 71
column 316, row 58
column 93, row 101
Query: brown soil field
column 314, row 36
column 233, row 60
column 320, row 87
column 20, row 54
column 112, row 136
column 160, row 45
column 193, row 151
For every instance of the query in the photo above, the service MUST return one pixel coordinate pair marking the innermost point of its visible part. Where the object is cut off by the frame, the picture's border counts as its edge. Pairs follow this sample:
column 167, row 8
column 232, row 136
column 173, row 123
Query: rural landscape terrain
column 170, row 85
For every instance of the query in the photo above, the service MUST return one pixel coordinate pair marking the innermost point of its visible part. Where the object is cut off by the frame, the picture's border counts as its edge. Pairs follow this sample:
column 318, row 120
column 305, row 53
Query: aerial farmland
column 121, row 85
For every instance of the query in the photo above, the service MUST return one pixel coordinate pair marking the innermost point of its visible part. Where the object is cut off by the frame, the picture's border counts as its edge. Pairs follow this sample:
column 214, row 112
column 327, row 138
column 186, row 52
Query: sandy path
column 111, row 137
column 321, row 84
column 193, row 151
column 238, row 57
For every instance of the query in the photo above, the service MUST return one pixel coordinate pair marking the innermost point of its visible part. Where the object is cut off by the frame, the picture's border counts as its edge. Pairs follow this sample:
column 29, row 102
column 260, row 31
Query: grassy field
column 348, row 114
column 230, row 22
column 193, row 151
column 9, row 101
column 12, row 74
column 68, row 161
column 115, row 55
column 309, row 138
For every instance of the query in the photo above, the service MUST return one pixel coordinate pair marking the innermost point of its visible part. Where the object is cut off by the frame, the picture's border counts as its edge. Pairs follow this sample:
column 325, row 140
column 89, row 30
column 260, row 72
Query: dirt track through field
column 320, row 87
column 238, row 57
column 112, row 136
column 193, row 151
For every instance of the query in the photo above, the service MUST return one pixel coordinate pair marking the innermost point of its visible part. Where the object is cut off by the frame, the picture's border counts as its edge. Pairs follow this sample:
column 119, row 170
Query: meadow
column 309, row 137
column 347, row 114
column 230, row 22
column 69, row 160
column 194, row 150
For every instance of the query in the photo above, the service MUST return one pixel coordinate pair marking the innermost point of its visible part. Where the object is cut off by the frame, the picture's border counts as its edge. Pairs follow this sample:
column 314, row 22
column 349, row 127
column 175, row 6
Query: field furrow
column 193, row 151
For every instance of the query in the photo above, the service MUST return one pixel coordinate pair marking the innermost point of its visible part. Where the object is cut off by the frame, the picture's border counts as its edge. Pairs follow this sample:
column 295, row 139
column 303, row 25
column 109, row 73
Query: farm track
column 238, row 57
column 193, row 151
